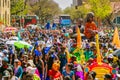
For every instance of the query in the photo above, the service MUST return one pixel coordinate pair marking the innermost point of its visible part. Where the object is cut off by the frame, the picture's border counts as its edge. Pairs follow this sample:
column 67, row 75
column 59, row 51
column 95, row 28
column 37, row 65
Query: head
column 5, row 61
column 107, row 77
column 56, row 65
column 91, row 75
column 80, row 21
column 69, row 66
column 90, row 17
column 29, row 76
column 7, row 75
column 67, row 78
column 16, row 62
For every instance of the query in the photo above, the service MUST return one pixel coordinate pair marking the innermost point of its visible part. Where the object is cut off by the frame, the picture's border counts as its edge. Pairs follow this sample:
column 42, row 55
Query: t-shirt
column 54, row 74
column 68, row 74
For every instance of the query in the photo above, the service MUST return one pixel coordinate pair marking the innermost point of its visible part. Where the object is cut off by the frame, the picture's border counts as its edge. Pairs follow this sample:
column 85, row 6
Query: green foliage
column 45, row 9
column 101, row 8
column 19, row 7
column 80, row 12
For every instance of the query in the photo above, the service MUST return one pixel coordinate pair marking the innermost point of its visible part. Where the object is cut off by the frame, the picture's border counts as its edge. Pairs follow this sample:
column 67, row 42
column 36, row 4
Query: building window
column 117, row 20
column 3, row 3
column 8, row 19
column 6, row 16
column 8, row 4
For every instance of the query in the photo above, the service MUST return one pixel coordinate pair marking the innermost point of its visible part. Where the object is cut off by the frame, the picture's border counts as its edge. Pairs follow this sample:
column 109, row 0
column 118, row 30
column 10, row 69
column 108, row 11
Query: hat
column 30, row 62
column 16, row 60
column 118, row 73
column 30, row 70
column 5, row 59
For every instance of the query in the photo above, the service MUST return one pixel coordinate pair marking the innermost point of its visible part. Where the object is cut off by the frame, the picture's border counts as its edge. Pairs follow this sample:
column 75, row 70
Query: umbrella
column 75, row 35
column 14, row 38
column 22, row 44
column 11, row 42
column 10, row 29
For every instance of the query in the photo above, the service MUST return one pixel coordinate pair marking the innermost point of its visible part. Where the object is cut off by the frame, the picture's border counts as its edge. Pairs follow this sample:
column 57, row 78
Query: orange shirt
column 89, row 26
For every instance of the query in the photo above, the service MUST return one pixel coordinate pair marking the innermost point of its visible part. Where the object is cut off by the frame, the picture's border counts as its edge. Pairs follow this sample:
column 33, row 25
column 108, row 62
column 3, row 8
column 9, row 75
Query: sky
column 63, row 3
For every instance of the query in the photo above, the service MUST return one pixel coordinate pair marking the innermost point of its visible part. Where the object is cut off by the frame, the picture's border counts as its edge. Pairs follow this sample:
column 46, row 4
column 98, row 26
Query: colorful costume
column 54, row 73
column 88, row 29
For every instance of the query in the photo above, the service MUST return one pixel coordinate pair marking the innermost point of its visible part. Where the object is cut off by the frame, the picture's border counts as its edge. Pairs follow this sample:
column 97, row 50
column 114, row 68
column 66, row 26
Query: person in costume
column 90, row 27
column 54, row 73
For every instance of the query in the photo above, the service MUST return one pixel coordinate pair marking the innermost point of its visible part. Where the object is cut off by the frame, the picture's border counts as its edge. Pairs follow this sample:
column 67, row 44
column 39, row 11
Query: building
column 77, row 2
column 5, row 12
column 116, row 12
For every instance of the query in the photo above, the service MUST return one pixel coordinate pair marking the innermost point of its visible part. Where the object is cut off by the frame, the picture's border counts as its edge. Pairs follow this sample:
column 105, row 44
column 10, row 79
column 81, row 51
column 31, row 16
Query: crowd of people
column 52, row 54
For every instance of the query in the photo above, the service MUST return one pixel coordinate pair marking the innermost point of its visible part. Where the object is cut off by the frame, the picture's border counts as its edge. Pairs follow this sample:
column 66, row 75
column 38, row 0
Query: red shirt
column 54, row 74
column 88, row 27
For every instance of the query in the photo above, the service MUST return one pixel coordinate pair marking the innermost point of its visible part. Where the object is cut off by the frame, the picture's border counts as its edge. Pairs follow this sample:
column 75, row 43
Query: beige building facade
column 5, row 12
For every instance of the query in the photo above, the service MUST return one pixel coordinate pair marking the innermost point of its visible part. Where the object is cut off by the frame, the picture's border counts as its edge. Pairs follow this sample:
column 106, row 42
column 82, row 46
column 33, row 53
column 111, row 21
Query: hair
column 89, row 15
column 67, row 78
column 93, row 74
column 70, row 65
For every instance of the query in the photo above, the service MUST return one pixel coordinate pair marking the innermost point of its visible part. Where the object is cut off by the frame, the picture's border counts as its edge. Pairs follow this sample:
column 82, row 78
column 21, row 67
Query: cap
column 5, row 59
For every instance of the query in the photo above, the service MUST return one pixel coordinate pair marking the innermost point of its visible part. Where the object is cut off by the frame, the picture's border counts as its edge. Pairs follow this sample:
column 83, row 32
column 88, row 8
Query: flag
column 98, row 50
column 79, row 41
column 116, row 40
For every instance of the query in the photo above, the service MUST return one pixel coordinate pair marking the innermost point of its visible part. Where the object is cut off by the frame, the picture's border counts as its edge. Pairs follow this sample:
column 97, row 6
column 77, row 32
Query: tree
column 101, row 8
column 80, row 12
column 19, row 7
column 45, row 9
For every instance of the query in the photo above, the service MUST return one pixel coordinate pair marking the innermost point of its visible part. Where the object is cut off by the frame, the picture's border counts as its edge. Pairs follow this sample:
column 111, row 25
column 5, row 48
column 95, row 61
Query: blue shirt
column 68, row 74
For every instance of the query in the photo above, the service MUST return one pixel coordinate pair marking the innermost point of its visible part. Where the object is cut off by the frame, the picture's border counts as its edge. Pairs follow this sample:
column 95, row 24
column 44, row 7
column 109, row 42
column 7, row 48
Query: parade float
column 99, row 67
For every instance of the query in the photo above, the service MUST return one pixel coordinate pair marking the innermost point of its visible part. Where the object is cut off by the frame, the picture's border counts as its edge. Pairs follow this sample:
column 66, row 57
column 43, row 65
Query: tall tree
column 101, row 8
column 45, row 9
column 19, row 7
column 80, row 12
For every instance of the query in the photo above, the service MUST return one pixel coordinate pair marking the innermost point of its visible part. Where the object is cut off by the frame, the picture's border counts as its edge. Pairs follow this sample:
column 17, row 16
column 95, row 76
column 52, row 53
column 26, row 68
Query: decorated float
column 99, row 67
